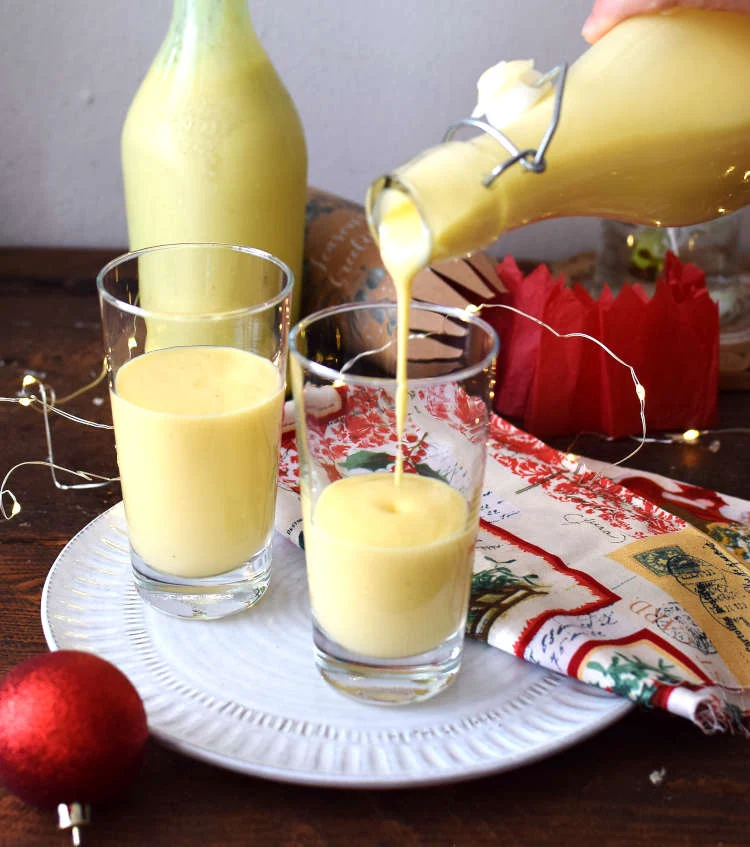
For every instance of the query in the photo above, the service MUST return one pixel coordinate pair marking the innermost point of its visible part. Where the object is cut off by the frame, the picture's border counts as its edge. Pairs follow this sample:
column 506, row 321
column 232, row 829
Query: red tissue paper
column 563, row 386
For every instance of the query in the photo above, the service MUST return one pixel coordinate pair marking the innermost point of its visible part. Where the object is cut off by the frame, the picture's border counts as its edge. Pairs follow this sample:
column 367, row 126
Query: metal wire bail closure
column 532, row 160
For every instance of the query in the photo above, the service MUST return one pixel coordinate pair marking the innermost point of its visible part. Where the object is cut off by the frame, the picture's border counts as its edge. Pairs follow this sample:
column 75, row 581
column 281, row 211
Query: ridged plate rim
column 472, row 730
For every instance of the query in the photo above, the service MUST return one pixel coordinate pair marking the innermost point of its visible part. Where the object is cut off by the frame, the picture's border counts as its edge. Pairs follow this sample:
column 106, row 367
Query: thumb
column 606, row 13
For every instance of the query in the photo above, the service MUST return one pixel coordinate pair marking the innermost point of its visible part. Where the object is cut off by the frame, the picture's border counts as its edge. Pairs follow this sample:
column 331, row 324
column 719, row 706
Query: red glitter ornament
column 72, row 729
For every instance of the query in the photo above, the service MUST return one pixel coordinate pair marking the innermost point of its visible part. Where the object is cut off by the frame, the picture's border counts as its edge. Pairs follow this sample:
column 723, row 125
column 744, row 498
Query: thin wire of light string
column 640, row 391
column 92, row 480
column 48, row 404
column 350, row 363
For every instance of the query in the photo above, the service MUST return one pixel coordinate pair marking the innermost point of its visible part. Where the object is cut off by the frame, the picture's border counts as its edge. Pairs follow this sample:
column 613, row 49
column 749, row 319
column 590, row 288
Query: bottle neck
column 209, row 14
column 199, row 25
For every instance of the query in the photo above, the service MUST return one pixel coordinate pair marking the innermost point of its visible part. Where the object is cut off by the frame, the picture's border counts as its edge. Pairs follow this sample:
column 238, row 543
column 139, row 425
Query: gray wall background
column 375, row 82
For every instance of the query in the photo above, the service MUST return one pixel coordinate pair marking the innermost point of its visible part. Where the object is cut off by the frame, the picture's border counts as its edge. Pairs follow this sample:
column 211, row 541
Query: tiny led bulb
column 640, row 392
column 28, row 379
column 691, row 435
column 15, row 509
column 132, row 343
column 472, row 308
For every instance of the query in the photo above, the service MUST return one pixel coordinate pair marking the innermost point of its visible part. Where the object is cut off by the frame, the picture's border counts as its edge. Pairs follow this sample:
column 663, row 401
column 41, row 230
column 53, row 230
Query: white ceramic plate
column 243, row 692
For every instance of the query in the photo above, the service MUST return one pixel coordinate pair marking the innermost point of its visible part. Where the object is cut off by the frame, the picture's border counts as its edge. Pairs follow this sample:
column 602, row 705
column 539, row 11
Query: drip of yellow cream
column 405, row 250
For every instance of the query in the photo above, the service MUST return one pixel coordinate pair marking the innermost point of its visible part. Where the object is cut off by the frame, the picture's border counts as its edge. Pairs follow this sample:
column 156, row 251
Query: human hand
column 606, row 13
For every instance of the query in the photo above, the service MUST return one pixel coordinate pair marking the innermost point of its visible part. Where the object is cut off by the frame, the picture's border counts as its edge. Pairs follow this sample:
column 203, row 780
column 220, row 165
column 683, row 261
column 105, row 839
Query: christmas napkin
column 642, row 590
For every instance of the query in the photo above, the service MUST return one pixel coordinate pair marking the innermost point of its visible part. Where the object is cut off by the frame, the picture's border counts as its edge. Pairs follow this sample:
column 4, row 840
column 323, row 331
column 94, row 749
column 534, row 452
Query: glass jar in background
column 636, row 254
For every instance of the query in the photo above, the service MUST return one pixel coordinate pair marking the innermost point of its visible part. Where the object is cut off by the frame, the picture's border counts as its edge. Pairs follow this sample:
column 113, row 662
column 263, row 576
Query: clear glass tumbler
column 389, row 549
column 197, row 397
column 630, row 253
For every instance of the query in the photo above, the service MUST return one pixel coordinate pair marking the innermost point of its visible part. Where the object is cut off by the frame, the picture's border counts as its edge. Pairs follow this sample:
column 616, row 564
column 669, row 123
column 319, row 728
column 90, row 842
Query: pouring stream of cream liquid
column 405, row 250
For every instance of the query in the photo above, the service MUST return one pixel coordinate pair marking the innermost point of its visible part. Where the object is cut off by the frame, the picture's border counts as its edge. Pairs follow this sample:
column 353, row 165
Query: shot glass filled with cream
column 197, row 399
column 391, row 466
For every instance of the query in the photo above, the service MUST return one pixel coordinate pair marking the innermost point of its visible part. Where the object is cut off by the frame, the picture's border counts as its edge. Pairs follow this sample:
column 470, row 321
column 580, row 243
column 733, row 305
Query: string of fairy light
column 46, row 402
column 640, row 391
column 36, row 395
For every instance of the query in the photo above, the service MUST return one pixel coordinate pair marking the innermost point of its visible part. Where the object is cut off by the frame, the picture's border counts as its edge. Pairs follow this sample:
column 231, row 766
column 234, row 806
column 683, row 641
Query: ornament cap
column 73, row 816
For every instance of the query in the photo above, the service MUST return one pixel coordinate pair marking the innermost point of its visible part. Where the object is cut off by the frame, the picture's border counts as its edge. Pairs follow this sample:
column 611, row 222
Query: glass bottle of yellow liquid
column 654, row 129
column 213, row 150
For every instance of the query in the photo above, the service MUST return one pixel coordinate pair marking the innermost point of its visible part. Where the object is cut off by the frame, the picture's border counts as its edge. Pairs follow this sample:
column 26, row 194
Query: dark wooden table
column 597, row 793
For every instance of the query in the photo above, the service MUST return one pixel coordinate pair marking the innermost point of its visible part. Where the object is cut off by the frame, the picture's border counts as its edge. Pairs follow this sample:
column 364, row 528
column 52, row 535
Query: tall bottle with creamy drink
column 654, row 129
column 213, row 151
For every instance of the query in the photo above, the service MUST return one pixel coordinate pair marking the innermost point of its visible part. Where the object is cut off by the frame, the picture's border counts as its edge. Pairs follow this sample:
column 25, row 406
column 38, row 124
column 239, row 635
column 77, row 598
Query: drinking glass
column 196, row 347
column 389, row 551
column 636, row 253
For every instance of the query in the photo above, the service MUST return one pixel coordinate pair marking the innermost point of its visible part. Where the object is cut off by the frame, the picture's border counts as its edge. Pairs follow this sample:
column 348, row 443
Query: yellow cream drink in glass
column 218, row 403
column 197, row 428
column 391, row 473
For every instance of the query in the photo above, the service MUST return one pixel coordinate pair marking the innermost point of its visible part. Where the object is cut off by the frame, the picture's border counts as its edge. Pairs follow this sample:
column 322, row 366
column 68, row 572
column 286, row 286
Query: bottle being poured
column 653, row 128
